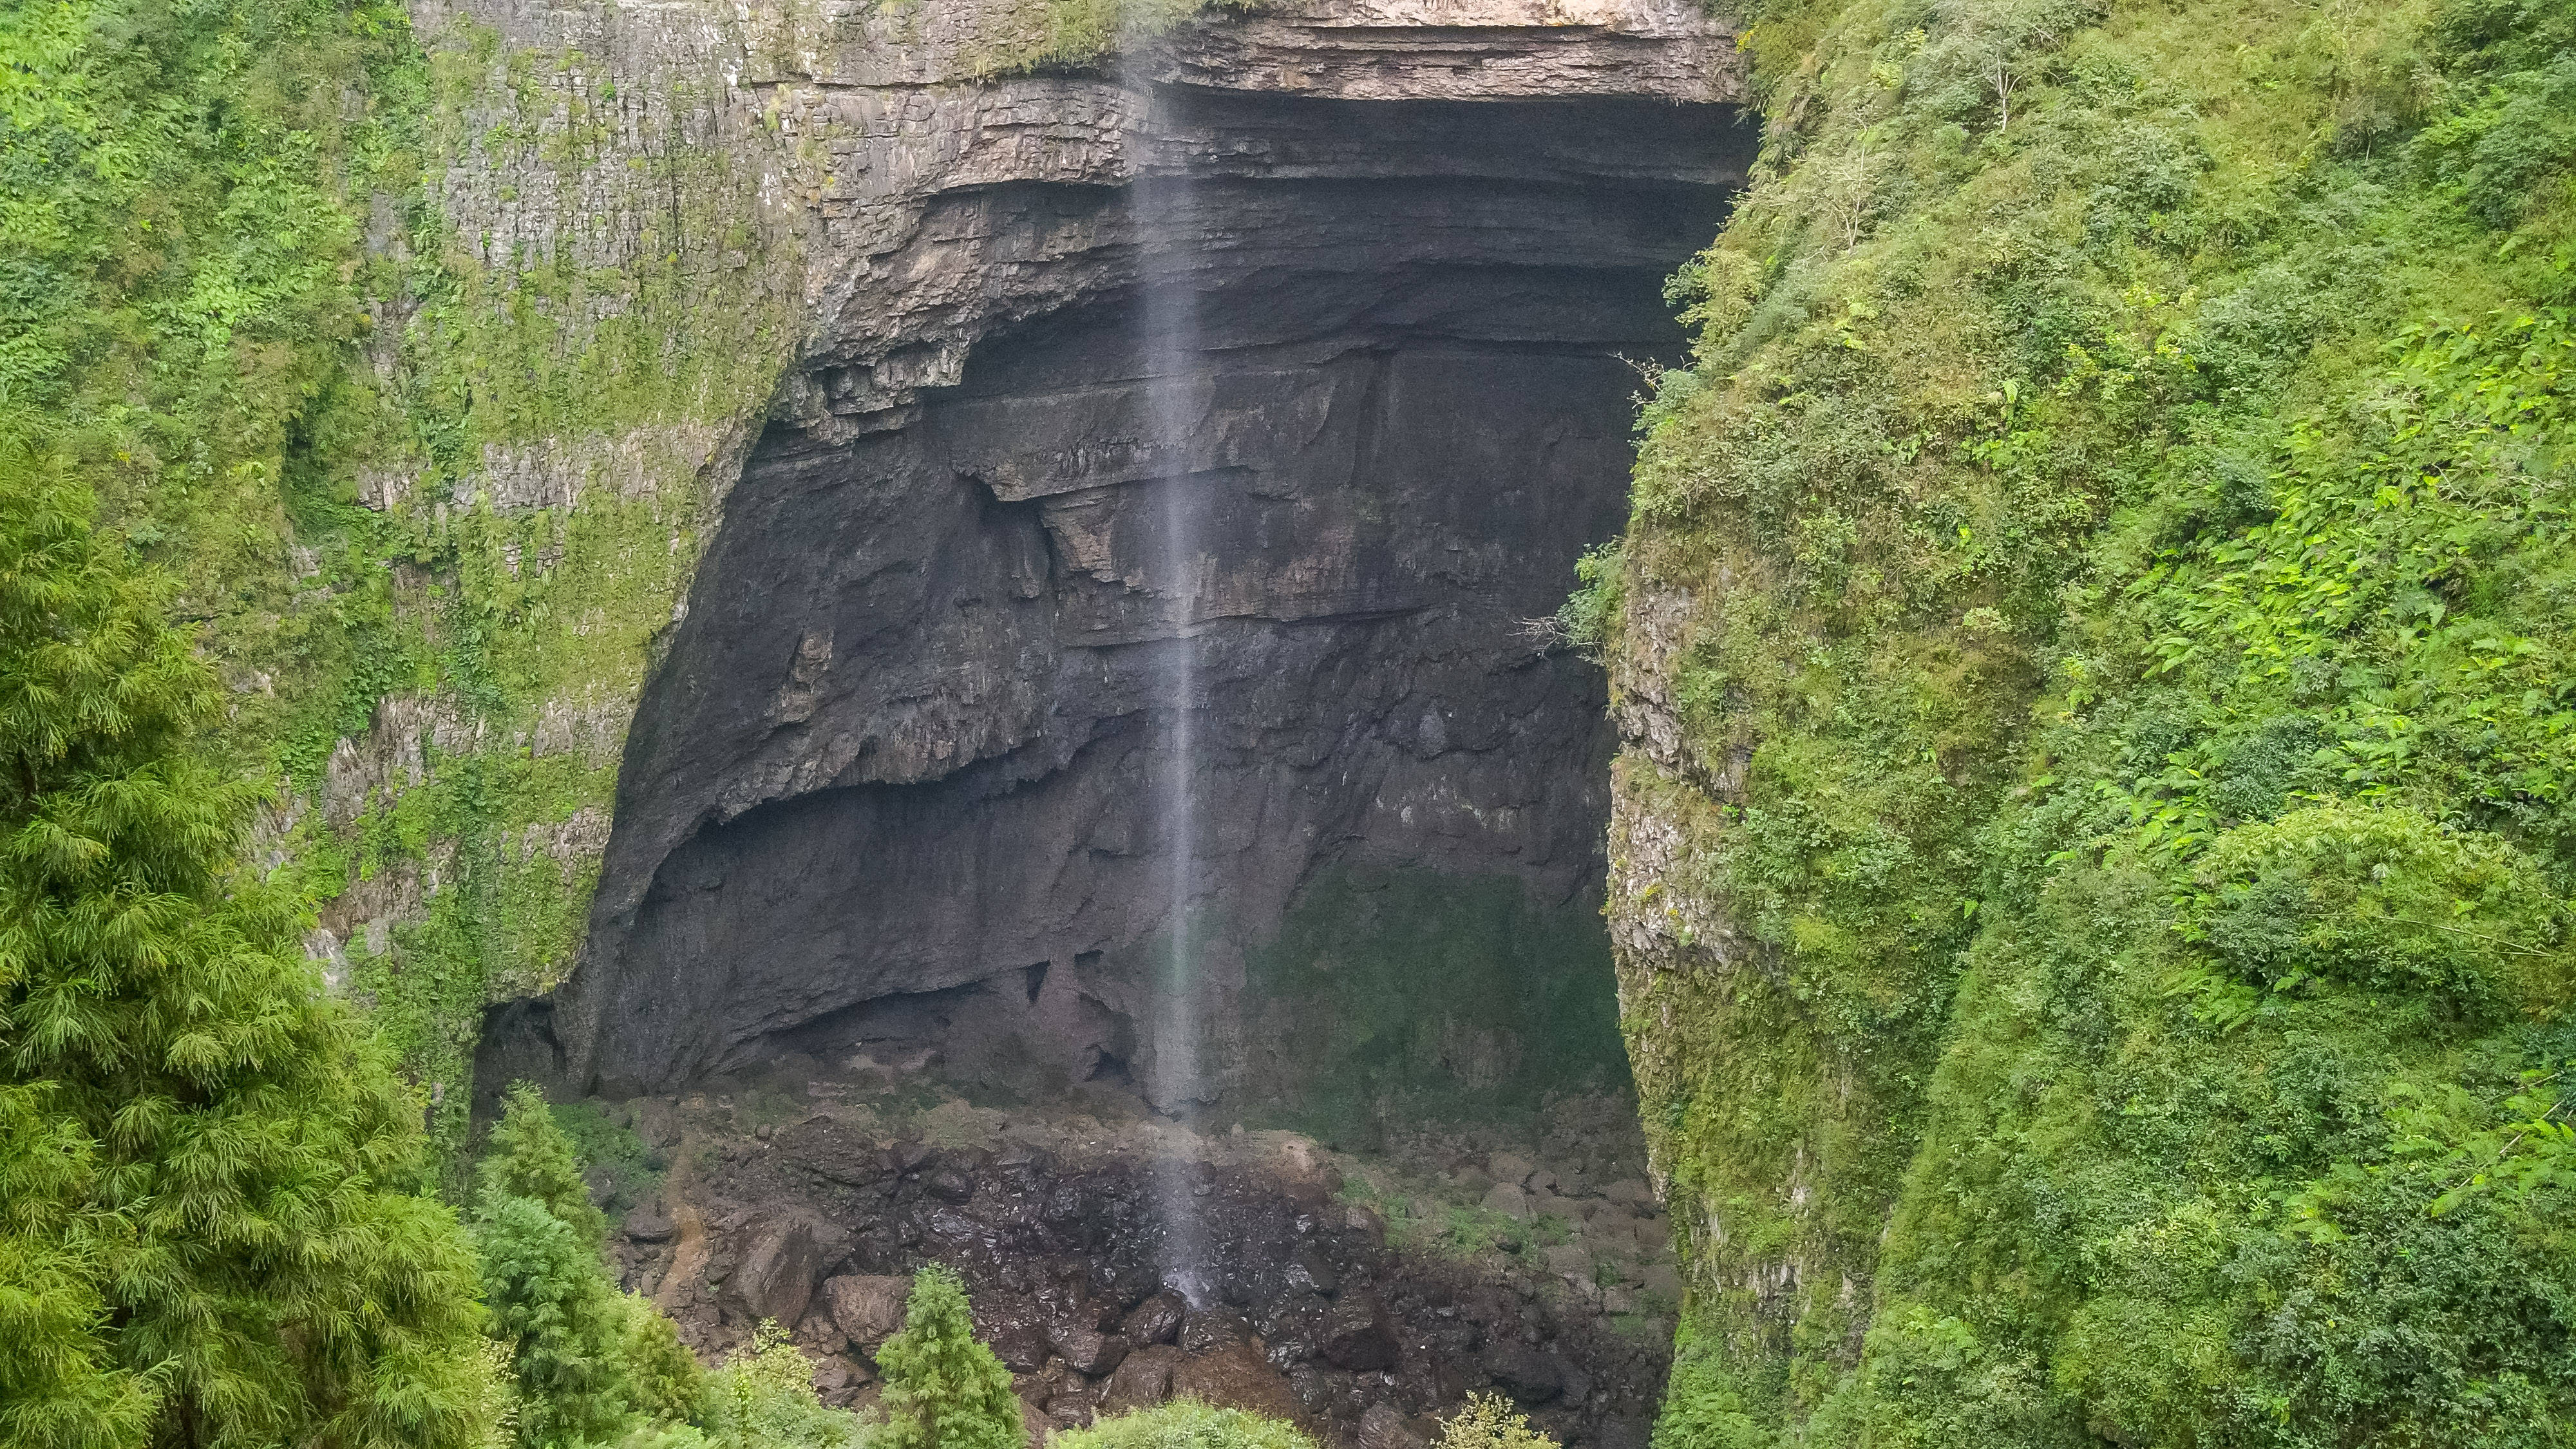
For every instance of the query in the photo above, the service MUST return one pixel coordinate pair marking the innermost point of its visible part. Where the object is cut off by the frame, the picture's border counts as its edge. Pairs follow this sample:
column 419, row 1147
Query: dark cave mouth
column 890, row 792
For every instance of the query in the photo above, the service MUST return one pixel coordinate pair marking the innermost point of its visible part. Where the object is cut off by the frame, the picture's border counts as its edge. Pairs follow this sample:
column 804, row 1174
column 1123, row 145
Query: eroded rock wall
column 914, row 732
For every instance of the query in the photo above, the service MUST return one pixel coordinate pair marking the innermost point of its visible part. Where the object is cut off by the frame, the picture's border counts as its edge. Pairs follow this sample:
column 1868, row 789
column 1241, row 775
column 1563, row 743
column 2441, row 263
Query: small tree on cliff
column 573, row 1339
column 208, row 1234
column 945, row 1390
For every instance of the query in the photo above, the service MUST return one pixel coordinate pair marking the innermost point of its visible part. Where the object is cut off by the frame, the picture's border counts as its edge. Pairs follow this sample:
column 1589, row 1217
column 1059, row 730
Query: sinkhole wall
column 896, row 784
column 579, row 298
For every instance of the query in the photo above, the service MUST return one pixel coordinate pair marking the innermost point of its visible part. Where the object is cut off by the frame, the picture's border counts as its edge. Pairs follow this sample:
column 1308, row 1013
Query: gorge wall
column 915, row 732
column 601, row 266
column 894, row 776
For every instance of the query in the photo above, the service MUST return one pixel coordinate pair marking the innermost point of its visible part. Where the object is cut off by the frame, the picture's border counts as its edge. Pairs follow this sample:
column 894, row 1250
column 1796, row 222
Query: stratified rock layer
column 918, row 726
column 901, row 781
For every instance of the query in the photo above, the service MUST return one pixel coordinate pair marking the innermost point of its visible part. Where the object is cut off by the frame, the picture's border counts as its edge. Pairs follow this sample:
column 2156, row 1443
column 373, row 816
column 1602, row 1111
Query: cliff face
column 2090, row 931
column 914, row 721
column 790, row 360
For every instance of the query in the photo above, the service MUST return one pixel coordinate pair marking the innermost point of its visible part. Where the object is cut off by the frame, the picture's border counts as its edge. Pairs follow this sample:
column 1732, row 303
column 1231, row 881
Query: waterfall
column 1169, row 348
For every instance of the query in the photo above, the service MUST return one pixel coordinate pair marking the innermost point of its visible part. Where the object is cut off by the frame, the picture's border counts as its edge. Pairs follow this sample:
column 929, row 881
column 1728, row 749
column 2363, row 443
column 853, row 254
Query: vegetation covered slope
column 2092, row 859
column 423, row 497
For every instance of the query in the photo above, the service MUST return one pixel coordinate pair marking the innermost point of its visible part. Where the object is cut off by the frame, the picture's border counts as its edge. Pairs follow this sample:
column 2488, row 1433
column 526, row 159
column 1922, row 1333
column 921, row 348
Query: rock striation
column 889, row 787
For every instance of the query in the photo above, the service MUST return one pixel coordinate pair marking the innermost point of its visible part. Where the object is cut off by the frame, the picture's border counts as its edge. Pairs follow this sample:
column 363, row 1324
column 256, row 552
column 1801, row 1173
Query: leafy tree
column 568, row 1329
column 531, row 1156
column 207, row 1232
column 765, row 1399
column 945, row 1390
column 669, row 1384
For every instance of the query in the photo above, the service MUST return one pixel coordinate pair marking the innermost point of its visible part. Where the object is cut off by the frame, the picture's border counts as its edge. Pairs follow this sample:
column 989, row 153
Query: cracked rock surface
column 1319, row 411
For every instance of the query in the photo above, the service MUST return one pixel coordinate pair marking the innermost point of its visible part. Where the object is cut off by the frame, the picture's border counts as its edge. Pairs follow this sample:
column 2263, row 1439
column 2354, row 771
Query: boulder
column 1016, row 1330
column 780, row 1268
column 649, row 1225
column 1311, row 1272
column 1087, row 1350
column 819, row 1335
column 1571, row 1262
column 1213, row 1328
column 1235, row 1377
column 1384, row 1427
column 1525, row 1373
column 868, row 1309
column 658, row 1123
column 1142, row 1380
column 1508, row 1199
column 1632, row 1191
column 1355, row 1337
column 1510, row 1168
column 1156, row 1320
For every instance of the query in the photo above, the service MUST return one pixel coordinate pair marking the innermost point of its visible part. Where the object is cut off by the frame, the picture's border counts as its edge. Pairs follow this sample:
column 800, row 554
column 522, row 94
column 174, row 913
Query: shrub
column 1185, row 1424
column 764, row 1399
column 1490, row 1422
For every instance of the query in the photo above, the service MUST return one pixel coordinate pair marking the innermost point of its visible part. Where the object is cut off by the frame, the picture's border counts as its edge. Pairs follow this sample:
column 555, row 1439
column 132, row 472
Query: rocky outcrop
column 1114, row 1263
column 1013, row 535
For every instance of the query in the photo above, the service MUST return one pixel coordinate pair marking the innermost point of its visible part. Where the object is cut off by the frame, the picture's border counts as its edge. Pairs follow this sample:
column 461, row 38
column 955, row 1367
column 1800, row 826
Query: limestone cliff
column 746, row 494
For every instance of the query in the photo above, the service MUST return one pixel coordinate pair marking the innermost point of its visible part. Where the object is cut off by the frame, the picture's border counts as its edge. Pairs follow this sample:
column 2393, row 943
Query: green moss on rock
column 2095, row 947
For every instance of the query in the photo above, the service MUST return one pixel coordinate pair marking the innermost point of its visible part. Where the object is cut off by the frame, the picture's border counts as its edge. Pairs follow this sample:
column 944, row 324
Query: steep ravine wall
column 650, row 237
column 913, row 733
column 2091, row 838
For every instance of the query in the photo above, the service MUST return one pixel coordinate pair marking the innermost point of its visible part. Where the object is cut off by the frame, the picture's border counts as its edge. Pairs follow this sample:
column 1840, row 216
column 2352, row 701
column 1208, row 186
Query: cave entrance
column 912, row 729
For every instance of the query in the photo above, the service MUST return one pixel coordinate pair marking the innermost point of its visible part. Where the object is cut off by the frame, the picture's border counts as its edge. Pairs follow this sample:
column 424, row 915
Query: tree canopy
column 210, row 1232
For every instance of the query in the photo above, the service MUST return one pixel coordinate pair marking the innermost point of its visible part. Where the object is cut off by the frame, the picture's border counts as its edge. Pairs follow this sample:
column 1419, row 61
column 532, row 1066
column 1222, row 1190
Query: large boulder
column 868, row 1309
column 1156, row 1320
column 1384, row 1427
column 1235, row 1377
column 780, row 1268
column 1355, row 1336
column 1087, row 1350
column 1142, row 1380
column 1525, row 1373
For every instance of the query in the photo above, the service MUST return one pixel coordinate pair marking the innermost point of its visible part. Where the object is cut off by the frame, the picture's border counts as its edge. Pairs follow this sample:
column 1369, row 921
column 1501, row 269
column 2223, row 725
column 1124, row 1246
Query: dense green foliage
column 228, row 283
column 2110, row 548
column 1184, row 1424
column 209, row 1232
column 764, row 1399
column 943, row 1388
column 551, row 1299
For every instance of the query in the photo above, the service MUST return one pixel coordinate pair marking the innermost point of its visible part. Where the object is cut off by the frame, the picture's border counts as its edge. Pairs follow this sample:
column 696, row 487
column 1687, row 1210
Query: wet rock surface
column 1115, row 1263
column 903, row 777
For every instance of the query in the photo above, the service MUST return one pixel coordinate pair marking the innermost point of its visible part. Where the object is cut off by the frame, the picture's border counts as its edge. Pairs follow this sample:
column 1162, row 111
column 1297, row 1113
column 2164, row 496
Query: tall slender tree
column 944, row 1389
column 209, row 1229
column 571, row 1336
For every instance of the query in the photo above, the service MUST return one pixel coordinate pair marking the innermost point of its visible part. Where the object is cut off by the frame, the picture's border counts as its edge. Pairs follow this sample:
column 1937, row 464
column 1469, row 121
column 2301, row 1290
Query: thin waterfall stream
column 1170, row 341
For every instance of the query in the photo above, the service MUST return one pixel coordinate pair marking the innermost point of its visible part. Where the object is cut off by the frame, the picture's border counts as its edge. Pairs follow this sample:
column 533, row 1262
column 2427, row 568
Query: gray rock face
column 780, row 1267
column 1222, row 419
column 868, row 1309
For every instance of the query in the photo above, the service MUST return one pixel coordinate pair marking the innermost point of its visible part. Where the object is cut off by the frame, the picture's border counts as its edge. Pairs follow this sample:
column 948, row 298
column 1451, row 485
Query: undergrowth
column 2106, row 562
